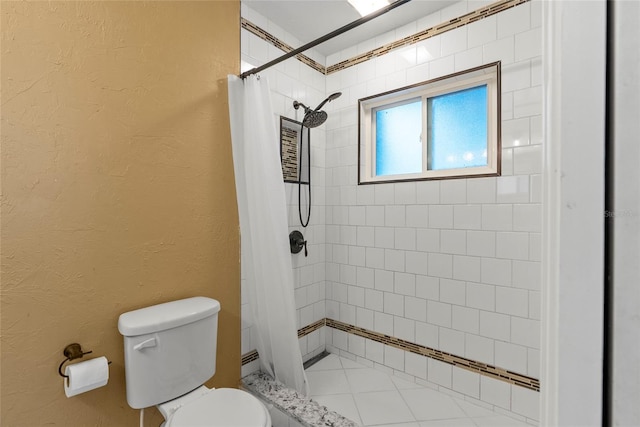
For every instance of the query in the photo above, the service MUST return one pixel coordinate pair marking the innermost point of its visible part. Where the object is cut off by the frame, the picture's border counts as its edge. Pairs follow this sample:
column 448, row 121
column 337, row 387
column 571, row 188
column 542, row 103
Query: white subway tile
column 383, row 323
column 375, row 215
column 428, row 240
column 451, row 341
column 512, row 301
column 466, row 320
column 466, row 268
column 527, row 217
column 466, row 382
column 495, row 325
column 515, row 133
column 384, row 194
column 415, row 308
column 535, row 247
column 479, row 348
column 357, row 215
column 440, row 265
column 514, row 20
column 405, row 193
column 374, row 351
column 375, row 257
column 453, row 241
column 516, row 76
column 513, row 189
column 416, row 262
column 497, row 217
column 417, row 216
column 507, row 161
column 535, row 195
column 428, row 287
column 405, row 284
column 527, row 160
column 364, row 318
column 452, row 291
column 394, row 216
column 533, row 362
column 496, row 271
column 384, row 237
column 357, row 255
column 512, row 245
column 481, row 243
column 527, row 102
column 439, row 313
column 439, row 372
column 393, row 304
column 340, row 339
column 348, row 274
column 511, row 357
column 453, row 191
column 404, row 329
column 481, row 296
column 525, row 402
column 356, row 296
column 499, row 50
column 405, row 238
column 456, row 10
column 347, row 315
column 441, row 67
column 428, row 192
column 525, row 332
column 415, row 364
column 534, row 305
column 441, row 216
column 383, row 280
column 495, row 392
column 365, row 195
column 356, row 345
column 467, row 217
column 528, row 44
column 394, row 357
column 481, row 190
column 427, row 335
column 365, row 236
column 468, row 59
column 373, row 300
column 482, row 32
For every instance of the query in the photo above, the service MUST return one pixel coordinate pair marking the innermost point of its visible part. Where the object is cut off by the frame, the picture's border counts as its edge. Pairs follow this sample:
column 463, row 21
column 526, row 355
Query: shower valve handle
column 297, row 242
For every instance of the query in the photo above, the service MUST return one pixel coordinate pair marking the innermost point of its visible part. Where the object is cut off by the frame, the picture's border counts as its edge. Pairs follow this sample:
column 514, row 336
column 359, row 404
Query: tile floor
column 374, row 398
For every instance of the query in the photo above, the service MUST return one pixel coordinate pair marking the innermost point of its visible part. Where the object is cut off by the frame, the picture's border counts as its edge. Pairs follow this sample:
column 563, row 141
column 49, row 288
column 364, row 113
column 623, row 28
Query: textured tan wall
column 117, row 189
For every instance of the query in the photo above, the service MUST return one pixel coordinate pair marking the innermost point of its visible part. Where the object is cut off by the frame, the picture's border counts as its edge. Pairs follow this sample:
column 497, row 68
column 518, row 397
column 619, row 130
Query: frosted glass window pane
column 457, row 128
column 398, row 142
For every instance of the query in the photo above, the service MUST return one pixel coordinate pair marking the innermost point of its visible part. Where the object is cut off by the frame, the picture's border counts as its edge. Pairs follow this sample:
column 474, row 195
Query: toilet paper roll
column 85, row 376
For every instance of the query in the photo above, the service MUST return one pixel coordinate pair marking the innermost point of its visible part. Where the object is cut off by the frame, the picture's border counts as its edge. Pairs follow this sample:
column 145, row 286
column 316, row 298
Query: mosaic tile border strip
column 452, row 24
column 259, row 32
column 442, row 356
column 451, row 359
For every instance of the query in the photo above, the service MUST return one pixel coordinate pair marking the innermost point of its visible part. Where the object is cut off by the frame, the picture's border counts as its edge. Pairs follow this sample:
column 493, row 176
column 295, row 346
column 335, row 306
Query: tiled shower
column 452, row 266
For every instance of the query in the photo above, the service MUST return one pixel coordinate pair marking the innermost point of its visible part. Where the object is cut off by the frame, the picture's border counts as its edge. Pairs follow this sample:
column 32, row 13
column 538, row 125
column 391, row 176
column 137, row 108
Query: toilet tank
column 169, row 349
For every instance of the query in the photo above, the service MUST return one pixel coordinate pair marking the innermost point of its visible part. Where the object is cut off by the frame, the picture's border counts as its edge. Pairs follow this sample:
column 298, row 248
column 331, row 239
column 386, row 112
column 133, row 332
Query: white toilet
column 170, row 352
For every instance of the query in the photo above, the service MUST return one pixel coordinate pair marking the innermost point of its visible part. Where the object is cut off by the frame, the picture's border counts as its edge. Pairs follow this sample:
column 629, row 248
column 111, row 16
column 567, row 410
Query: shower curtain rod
column 326, row 37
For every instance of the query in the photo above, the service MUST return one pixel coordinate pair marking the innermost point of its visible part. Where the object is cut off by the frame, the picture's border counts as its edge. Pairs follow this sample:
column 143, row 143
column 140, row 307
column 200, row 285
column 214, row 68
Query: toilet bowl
column 170, row 352
column 222, row 407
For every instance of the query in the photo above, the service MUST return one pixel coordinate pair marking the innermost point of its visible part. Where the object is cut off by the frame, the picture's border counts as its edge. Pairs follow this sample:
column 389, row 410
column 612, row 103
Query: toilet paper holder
column 71, row 352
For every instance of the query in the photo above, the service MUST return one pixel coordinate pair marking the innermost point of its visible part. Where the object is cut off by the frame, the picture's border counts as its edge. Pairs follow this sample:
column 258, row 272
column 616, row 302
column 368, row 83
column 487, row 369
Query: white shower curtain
column 264, row 231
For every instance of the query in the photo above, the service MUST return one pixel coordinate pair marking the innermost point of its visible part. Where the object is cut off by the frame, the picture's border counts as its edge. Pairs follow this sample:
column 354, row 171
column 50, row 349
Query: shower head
column 314, row 118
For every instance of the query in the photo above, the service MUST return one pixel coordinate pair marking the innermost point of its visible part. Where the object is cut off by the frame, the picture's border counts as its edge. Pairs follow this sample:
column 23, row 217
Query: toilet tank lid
column 165, row 316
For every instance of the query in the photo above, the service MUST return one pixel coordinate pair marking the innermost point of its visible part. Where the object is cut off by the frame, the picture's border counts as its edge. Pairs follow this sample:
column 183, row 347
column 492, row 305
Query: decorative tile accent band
column 257, row 31
column 452, row 24
column 451, row 359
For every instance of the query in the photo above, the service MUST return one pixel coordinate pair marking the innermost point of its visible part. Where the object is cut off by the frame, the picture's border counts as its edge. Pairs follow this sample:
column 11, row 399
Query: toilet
column 169, row 353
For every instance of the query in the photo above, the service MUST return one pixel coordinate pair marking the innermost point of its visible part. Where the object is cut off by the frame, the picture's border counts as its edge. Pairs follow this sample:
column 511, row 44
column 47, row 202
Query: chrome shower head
column 314, row 118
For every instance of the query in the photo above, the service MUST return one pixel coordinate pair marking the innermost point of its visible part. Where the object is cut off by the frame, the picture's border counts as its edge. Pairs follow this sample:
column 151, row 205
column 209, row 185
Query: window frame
column 488, row 74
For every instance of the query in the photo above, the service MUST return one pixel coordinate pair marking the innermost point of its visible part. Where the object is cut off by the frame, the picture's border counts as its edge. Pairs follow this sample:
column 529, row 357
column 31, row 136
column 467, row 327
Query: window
column 443, row 128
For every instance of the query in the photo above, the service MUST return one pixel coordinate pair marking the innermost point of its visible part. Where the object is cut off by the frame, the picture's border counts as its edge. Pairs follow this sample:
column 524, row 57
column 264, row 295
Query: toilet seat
column 222, row 407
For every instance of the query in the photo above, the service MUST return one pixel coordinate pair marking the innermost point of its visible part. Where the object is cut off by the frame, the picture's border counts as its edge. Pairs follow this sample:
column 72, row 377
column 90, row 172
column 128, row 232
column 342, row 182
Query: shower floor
column 371, row 397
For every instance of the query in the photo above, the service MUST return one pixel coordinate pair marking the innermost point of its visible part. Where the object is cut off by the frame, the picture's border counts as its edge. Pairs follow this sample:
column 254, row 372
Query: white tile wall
column 452, row 264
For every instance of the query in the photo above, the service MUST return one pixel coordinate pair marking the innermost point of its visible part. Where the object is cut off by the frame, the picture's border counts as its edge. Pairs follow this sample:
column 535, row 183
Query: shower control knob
column 297, row 242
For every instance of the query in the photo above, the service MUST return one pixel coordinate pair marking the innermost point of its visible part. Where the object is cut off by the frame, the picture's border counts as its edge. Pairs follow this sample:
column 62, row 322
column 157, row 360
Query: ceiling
column 308, row 20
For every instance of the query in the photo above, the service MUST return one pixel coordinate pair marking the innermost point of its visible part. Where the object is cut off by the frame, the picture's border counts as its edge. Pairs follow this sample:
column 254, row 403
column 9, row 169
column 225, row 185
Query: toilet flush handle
column 151, row 342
